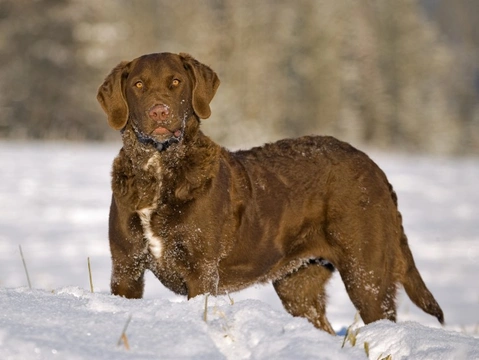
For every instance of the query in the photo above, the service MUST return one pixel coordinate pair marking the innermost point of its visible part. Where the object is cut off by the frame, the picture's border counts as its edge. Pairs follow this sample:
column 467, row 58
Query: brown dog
column 207, row 220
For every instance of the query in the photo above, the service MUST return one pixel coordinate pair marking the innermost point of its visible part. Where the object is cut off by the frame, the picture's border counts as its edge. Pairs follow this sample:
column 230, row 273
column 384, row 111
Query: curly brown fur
column 207, row 220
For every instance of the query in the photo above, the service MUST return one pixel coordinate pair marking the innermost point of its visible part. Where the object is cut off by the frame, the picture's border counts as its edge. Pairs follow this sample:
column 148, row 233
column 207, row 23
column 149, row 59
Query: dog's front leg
column 127, row 279
column 129, row 258
column 203, row 280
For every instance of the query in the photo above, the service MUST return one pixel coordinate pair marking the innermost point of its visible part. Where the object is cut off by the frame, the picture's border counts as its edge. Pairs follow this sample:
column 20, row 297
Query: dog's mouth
column 161, row 137
column 163, row 131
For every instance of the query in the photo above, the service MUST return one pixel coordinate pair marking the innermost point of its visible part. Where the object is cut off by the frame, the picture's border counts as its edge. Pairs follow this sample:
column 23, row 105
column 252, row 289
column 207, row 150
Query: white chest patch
column 155, row 243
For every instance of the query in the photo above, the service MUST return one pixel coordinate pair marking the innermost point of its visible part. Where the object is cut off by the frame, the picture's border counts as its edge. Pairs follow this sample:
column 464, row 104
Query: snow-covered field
column 54, row 201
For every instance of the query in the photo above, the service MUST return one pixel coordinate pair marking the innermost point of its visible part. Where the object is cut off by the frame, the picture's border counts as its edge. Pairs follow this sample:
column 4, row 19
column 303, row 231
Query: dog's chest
column 155, row 242
column 147, row 214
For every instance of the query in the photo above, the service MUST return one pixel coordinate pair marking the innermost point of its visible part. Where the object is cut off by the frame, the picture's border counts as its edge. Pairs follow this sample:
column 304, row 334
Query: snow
column 54, row 203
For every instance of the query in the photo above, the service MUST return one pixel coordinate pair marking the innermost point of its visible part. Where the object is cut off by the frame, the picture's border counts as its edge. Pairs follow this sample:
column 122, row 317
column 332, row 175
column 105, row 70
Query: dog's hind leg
column 372, row 293
column 302, row 293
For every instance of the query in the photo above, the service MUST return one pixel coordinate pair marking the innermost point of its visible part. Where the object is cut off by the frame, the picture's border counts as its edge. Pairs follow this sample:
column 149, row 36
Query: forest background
column 390, row 74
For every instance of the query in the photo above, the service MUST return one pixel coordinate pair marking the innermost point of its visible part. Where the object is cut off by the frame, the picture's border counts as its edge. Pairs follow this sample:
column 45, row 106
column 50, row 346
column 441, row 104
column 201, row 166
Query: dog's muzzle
column 159, row 145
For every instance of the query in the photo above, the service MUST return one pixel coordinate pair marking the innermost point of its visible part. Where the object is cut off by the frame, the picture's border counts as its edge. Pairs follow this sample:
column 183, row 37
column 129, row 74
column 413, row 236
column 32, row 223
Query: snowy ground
column 54, row 202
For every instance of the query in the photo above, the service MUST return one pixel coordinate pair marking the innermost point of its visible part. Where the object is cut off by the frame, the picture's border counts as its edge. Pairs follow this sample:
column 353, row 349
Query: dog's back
column 325, row 199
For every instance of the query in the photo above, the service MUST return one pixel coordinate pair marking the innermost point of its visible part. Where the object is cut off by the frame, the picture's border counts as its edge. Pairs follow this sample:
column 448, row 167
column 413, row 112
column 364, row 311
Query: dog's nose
column 159, row 112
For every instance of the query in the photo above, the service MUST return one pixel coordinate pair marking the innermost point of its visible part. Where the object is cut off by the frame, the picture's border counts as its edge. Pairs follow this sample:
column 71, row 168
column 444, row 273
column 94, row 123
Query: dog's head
column 157, row 93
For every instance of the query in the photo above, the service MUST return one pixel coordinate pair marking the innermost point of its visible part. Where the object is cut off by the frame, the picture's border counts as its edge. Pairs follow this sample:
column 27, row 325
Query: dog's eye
column 175, row 82
column 139, row 84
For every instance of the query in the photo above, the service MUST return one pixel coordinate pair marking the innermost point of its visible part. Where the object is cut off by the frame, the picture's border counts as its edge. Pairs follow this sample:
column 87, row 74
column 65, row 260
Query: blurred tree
column 40, row 71
column 415, row 66
column 458, row 20
column 376, row 72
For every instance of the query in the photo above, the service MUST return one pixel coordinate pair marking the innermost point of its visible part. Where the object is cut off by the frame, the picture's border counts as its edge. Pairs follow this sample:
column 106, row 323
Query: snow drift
column 54, row 203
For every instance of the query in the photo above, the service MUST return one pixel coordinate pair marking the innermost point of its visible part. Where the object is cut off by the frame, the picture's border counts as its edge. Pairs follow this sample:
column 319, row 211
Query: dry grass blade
column 89, row 273
column 345, row 337
column 25, row 266
column 232, row 302
column 205, row 313
column 389, row 357
column 123, row 338
column 350, row 333
column 125, row 341
column 366, row 348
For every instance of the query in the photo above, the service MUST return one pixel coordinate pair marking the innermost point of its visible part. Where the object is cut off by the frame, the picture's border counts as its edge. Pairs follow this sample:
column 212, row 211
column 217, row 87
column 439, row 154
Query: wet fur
column 287, row 212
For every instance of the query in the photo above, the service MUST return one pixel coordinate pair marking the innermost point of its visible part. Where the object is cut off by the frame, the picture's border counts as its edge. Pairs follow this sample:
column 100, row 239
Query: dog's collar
column 159, row 145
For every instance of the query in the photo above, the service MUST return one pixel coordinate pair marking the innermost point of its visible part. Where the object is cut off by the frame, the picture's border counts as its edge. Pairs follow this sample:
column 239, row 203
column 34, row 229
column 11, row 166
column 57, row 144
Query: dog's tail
column 415, row 287
column 412, row 281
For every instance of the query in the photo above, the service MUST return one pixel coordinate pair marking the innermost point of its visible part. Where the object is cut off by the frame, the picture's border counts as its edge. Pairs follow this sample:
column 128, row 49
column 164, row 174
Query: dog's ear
column 205, row 83
column 112, row 98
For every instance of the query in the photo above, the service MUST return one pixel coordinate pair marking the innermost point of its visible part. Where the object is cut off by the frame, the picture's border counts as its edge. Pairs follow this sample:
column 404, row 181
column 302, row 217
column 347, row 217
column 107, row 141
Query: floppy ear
column 111, row 96
column 205, row 83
